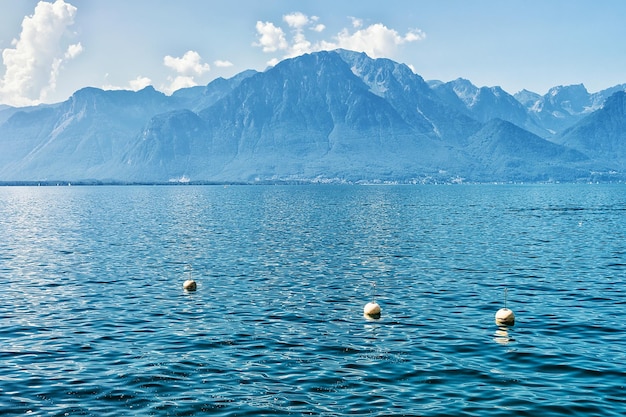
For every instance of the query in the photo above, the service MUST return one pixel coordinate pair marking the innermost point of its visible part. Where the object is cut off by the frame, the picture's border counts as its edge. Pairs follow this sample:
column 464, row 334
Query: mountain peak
column 569, row 89
column 616, row 102
column 330, row 114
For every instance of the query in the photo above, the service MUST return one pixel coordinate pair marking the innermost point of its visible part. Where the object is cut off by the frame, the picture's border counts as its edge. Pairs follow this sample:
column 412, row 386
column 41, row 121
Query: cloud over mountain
column 376, row 40
column 187, row 67
column 37, row 56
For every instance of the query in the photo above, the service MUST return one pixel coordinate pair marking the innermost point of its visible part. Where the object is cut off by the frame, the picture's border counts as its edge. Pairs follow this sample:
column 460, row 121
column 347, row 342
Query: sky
column 52, row 48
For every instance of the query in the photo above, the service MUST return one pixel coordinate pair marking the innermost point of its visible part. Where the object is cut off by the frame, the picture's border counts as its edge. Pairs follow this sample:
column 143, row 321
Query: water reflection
column 502, row 336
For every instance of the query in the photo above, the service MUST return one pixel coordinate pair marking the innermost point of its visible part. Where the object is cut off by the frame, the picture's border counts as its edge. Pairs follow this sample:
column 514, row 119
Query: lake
column 94, row 319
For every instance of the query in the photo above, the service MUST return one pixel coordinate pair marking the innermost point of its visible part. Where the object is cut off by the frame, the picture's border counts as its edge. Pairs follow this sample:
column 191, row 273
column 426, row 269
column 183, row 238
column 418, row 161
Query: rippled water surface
column 94, row 319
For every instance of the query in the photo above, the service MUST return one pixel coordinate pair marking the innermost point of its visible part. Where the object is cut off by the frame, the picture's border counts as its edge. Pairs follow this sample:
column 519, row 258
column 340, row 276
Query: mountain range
column 330, row 116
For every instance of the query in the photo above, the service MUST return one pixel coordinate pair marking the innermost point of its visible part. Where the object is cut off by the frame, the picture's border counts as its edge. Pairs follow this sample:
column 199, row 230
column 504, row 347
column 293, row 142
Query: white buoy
column 190, row 284
column 372, row 310
column 505, row 316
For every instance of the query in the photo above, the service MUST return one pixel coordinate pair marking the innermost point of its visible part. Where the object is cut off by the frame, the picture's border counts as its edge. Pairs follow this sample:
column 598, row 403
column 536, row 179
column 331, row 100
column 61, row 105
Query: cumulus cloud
column 356, row 22
column 181, row 81
column 377, row 40
column 189, row 64
column 296, row 20
column 186, row 71
column 273, row 62
column 137, row 84
column 271, row 38
column 37, row 56
column 223, row 64
column 187, row 68
column 73, row 51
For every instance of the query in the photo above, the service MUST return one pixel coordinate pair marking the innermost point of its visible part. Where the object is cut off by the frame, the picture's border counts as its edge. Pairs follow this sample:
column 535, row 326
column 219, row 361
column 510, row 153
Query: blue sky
column 52, row 48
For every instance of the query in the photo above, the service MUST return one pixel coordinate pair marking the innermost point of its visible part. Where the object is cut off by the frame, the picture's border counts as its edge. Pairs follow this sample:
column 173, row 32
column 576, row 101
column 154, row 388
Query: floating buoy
column 372, row 310
column 505, row 316
column 189, row 285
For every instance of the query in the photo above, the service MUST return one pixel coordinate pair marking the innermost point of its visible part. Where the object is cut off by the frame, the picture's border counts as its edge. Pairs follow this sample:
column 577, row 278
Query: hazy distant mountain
column 6, row 112
column 602, row 134
column 411, row 97
column 487, row 103
column 503, row 149
column 563, row 106
column 77, row 139
column 200, row 97
column 528, row 99
column 326, row 116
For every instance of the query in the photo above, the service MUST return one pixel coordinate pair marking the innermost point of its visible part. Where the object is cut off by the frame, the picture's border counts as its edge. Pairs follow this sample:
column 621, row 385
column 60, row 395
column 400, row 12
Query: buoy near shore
column 505, row 316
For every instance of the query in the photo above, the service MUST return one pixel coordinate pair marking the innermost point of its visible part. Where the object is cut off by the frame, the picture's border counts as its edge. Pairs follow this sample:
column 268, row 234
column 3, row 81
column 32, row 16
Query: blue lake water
column 94, row 319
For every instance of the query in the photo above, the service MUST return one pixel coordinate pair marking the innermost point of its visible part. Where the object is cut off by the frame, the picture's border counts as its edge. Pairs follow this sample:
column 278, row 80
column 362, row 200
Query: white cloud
column 296, row 20
column 272, row 62
column 176, row 83
column 271, row 38
column 377, row 40
column 134, row 85
column 356, row 23
column 414, row 35
column 187, row 68
column 139, row 83
column 300, row 45
column 73, row 51
column 223, row 64
column 188, row 65
column 38, row 55
column 316, row 28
